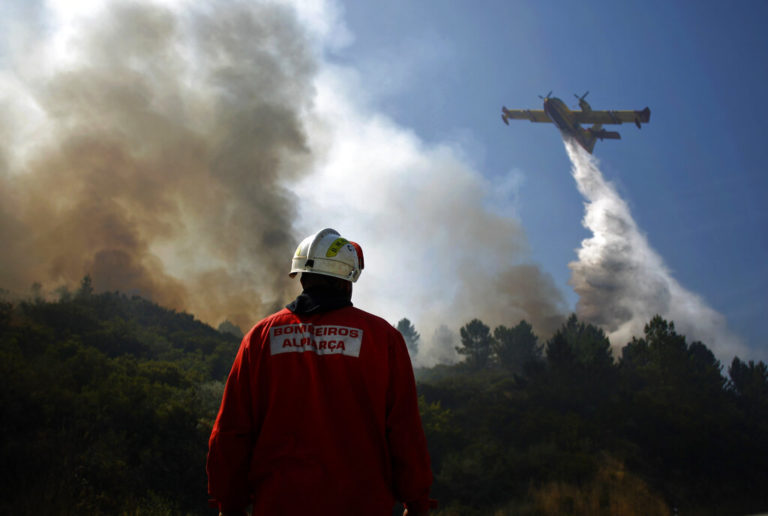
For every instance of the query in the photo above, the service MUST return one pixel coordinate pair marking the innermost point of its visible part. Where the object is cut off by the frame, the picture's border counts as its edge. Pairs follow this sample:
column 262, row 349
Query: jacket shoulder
column 262, row 327
column 368, row 316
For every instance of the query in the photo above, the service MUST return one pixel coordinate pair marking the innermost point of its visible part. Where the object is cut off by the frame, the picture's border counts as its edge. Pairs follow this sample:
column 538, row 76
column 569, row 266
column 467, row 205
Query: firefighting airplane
column 568, row 121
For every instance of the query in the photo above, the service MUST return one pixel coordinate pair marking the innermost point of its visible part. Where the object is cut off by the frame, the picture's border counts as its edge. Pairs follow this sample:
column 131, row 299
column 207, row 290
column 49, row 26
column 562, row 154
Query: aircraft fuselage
column 562, row 117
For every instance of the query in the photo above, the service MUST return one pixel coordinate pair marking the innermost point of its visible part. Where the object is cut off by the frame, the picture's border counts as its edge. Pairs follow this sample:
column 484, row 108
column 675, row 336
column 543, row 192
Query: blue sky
column 695, row 177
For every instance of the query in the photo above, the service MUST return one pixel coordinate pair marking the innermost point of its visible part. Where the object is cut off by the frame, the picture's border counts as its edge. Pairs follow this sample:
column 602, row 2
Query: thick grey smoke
column 181, row 153
column 163, row 140
column 622, row 282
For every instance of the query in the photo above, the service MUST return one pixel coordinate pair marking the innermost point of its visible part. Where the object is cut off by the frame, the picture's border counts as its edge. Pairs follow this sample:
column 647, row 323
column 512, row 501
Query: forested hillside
column 562, row 428
column 108, row 401
column 107, row 404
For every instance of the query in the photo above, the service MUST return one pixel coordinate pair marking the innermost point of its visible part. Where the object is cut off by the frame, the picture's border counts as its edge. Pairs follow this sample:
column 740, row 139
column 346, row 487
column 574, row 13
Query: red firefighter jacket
column 319, row 416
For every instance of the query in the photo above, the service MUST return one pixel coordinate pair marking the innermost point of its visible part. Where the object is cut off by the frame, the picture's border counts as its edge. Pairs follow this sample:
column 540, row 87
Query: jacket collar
column 318, row 300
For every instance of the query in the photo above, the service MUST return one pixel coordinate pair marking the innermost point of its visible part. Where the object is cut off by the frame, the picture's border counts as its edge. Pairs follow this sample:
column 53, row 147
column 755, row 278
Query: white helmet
column 327, row 253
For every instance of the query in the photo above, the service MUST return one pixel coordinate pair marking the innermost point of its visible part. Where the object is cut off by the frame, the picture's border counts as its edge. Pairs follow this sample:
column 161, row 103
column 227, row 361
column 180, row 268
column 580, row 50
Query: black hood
column 318, row 300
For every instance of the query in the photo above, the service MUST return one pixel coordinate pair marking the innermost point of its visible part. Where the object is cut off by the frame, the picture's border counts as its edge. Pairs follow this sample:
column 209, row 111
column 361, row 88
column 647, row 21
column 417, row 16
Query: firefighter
column 319, row 414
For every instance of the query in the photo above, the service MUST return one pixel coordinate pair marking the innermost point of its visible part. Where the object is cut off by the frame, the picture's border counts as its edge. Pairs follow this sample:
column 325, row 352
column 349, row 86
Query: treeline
column 561, row 427
column 107, row 402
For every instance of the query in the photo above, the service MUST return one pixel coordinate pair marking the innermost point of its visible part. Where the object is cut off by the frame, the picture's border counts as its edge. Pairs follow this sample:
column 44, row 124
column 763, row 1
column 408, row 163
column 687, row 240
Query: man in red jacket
column 319, row 414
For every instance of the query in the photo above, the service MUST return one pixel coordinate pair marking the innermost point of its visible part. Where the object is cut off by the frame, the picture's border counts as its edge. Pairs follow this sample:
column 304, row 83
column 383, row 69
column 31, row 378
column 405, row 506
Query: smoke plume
column 157, row 161
column 180, row 152
column 622, row 282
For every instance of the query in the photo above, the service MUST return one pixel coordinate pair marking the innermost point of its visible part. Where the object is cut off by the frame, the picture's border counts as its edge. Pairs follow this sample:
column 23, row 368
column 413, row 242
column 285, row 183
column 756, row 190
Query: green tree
column 674, row 404
column 37, row 292
column 516, row 347
column 86, row 288
column 476, row 343
column 410, row 335
column 749, row 381
column 583, row 344
column 664, row 360
column 748, row 387
column 231, row 328
column 580, row 379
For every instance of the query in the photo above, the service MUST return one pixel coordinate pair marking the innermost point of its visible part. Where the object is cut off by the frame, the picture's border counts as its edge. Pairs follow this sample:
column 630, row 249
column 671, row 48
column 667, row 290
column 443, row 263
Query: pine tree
column 476, row 343
column 516, row 347
column 410, row 335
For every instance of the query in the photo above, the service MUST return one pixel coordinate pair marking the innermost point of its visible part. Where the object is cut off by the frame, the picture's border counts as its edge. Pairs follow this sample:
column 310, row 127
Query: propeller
column 583, row 104
column 582, row 97
column 547, row 96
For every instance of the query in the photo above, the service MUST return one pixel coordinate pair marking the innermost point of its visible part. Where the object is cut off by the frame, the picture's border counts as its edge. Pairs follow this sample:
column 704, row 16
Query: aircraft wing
column 534, row 115
column 612, row 117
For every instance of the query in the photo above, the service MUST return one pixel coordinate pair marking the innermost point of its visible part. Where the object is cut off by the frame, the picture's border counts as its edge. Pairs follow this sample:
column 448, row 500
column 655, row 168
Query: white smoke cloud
column 191, row 145
column 440, row 246
column 622, row 282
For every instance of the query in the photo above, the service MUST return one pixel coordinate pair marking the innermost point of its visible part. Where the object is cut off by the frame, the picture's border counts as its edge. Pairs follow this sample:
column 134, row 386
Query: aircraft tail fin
column 597, row 131
column 608, row 135
column 590, row 136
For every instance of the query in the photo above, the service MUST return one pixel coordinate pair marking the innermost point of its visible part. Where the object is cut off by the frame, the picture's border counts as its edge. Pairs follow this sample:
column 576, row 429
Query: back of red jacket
column 319, row 416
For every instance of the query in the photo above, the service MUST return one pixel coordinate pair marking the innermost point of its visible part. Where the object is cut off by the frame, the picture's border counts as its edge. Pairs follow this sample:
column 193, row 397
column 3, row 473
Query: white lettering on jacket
column 322, row 340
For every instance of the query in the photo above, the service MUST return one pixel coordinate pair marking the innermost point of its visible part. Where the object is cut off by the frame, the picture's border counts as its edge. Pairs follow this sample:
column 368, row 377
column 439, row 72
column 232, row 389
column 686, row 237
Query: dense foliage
column 563, row 428
column 107, row 404
column 108, row 401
